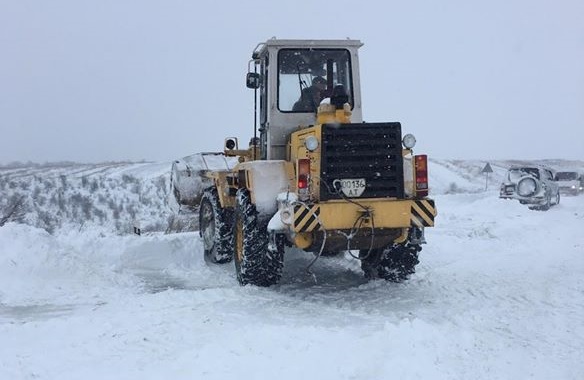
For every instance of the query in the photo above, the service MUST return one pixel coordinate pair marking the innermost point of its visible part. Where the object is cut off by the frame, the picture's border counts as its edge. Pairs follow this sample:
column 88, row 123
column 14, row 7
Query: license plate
column 353, row 187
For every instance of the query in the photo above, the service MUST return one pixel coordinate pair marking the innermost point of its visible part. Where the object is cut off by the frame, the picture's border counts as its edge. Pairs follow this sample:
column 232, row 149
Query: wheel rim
column 207, row 225
column 238, row 240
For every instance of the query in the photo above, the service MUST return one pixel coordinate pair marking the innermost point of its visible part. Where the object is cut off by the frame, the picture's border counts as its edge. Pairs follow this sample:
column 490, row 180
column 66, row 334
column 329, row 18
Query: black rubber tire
column 215, row 228
column 545, row 206
column 395, row 263
column 548, row 204
column 256, row 262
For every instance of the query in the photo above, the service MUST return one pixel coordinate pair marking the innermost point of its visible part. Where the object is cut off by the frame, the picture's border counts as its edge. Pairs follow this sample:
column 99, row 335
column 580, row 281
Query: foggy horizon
column 96, row 82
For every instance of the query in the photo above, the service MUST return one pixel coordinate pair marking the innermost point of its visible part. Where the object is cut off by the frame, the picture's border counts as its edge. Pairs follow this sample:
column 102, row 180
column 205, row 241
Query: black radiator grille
column 370, row 150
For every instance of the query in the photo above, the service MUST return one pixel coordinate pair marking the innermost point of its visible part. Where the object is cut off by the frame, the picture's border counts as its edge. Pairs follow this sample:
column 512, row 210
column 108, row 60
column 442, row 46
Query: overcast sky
column 108, row 80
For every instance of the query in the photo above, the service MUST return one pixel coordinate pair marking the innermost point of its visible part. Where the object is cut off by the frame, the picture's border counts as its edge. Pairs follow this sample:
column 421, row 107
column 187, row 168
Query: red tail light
column 421, row 166
column 302, row 182
column 303, row 171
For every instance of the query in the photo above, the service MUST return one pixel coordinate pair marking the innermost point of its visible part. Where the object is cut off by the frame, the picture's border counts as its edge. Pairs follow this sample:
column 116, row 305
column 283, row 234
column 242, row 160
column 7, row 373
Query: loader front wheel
column 257, row 261
column 215, row 228
column 394, row 263
column 176, row 195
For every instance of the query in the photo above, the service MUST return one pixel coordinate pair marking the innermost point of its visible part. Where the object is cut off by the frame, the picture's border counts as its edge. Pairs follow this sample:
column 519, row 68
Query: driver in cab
column 311, row 96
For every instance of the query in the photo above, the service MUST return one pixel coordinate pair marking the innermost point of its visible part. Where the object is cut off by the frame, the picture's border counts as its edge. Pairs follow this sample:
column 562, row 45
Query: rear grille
column 370, row 150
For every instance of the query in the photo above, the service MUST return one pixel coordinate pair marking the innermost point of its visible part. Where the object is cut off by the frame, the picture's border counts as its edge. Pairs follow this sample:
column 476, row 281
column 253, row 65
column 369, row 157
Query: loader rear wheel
column 257, row 261
column 215, row 228
column 395, row 263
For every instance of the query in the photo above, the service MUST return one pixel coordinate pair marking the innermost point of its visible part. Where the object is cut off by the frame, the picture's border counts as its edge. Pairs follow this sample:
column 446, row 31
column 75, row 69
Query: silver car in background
column 187, row 179
column 531, row 185
column 570, row 182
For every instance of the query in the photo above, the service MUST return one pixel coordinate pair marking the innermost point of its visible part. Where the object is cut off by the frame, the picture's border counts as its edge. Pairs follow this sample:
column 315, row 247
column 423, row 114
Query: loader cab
column 292, row 77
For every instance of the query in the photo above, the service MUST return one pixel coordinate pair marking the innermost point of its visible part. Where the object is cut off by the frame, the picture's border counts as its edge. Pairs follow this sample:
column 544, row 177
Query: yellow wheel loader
column 317, row 177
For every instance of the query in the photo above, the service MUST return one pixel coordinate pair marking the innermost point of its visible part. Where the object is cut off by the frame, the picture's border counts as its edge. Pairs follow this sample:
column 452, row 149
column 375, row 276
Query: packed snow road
column 499, row 294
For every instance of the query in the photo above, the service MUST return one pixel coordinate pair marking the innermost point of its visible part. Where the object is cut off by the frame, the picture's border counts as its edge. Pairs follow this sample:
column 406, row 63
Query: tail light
column 421, row 167
column 303, row 171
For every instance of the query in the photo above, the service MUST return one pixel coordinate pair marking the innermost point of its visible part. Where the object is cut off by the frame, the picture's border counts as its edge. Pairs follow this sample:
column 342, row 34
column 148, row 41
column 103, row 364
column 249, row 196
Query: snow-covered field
column 498, row 294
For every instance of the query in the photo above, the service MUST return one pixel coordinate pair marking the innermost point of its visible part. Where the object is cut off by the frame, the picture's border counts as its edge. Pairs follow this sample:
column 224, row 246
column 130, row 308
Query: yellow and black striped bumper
column 423, row 213
column 339, row 215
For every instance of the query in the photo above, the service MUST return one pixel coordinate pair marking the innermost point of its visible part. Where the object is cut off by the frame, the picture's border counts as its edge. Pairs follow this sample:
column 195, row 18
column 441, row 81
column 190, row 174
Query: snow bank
column 36, row 267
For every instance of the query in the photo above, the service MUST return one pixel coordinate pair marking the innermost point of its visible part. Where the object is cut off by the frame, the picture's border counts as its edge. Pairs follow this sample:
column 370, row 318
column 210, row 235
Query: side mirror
column 252, row 80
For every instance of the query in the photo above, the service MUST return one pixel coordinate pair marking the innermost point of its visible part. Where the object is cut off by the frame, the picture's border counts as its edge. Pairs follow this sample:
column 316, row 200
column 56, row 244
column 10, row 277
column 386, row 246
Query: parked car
column 570, row 182
column 531, row 185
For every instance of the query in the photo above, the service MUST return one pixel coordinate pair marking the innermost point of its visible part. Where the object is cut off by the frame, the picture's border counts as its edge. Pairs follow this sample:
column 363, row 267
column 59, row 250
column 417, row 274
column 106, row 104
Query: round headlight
column 527, row 187
column 311, row 143
column 230, row 144
column 409, row 141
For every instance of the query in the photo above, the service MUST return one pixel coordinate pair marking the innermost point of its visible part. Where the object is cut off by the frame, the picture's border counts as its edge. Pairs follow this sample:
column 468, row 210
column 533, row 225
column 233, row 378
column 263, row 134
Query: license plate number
column 353, row 187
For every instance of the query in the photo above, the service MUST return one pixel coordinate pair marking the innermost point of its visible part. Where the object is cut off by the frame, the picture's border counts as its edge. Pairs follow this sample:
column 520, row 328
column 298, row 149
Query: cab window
column 307, row 76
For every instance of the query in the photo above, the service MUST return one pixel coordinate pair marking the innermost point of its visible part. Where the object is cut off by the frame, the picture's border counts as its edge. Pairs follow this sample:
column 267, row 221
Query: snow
column 498, row 294
column 270, row 179
column 275, row 223
column 285, row 203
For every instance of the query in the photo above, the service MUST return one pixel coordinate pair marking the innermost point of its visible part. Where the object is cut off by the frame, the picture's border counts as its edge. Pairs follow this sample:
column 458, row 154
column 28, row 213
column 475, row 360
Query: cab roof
column 306, row 44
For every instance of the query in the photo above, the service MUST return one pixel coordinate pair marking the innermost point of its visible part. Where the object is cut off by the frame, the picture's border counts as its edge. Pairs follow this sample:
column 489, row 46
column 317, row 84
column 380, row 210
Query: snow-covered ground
column 498, row 294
